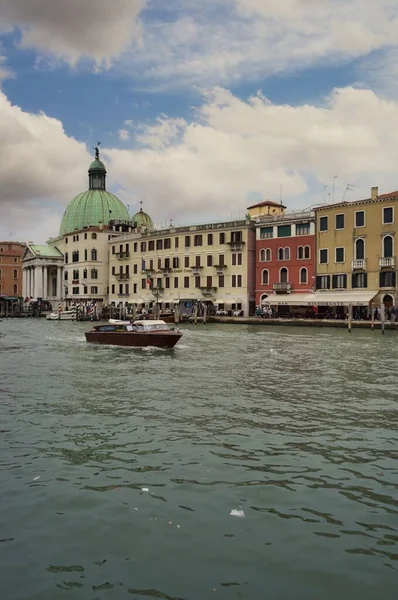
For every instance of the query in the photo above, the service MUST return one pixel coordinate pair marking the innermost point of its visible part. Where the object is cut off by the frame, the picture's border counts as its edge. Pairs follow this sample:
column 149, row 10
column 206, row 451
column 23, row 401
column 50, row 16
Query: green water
column 295, row 427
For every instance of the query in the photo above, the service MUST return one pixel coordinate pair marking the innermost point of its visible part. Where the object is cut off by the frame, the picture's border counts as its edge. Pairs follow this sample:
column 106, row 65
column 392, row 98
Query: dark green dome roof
column 142, row 219
column 97, row 165
column 92, row 208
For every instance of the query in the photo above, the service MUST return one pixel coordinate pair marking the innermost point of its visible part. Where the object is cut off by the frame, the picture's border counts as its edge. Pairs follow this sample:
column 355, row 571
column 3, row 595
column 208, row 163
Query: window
column 340, row 221
column 85, row 273
column 167, row 244
column 176, row 242
column 280, row 253
column 167, row 282
column 143, row 246
column 151, row 264
column 186, row 262
column 176, row 262
column 127, row 289
column 209, row 260
column 93, row 236
column 387, row 246
column 221, row 281
column 265, row 277
column 239, row 281
column 284, row 231
column 159, row 244
column 151, row 245
column 85, row 254
column 134, row 288
column 359, row 249
column 176, row 282
column 167, row 263
column 240, row 258
column 15, row 274
column 283, row 275
column 15, row 289
column 197, row 240
column 323, row 282
column 234, row 260
column 209, row 239
column 233, row 280
column 15, row 260
column 66, row 258
column 387, row 278
column 135, row 269
column 186, row 282
column 187, row 242
column 94, row 274
column 75, row 256
column 221, row 259
column 75, row 291
column 222, row 238
column 113, row 288
column 323, row 256
column 307, row 252
column 85, row 236
column 135, row 246
column 265, row 255
column 66, row 276
column 236, row 236
column 283, row 253
column 209, row 281
column 388, row 215
column 360, row 219
column 266, row 233
column 323, row 224
column 359, row 280
column 339, row 255
column 300, row 252
column 94, row 289
column 303, row 276
column 303, row 229
column 339, row 281
column 113, row 249
column 113, row 271
column 76, row 274
column 143, row 284
column 66, row 240
column 197, row 261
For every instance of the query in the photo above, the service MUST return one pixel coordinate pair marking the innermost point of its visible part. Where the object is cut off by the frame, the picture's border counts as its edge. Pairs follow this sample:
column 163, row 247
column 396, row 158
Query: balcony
column 196, row 269
column 207, row 290
column 148, row 271
column 75, row 281
column 122, row 255
column 359, row 263
column 238, row 245
column 282, row 287
column 166, row 270
column 123, row 295
column 122, row 276
column 220, row 269
column 387, row 262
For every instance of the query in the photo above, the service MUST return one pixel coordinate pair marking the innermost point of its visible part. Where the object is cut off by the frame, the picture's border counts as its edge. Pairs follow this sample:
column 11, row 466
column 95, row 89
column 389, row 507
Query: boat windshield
column 151, row 326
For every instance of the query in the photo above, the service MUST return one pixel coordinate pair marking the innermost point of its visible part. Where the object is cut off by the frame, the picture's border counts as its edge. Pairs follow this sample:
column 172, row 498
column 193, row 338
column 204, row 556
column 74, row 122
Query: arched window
column 263, row 298
column 387, row 246
column 265, row 277
column 85, row 274
column 85, row 254
column 303, row 275
column 75, row 256
column 93, row 236
column 15, row 274
column 15, row 289
column 93, row 254
column 283, row 275
column 268, row 254
column 300, row 252
column 280, row 253
column 66, row 258
column 286, row 253
column 262, row 255
column 307, row 252
column 359, row 249
column 76, row 274
column 94, row 274
column 66, row 276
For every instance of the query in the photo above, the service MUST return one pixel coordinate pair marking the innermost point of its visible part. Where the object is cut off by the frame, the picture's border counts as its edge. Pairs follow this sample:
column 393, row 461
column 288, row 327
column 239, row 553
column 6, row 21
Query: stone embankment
column 337, row 323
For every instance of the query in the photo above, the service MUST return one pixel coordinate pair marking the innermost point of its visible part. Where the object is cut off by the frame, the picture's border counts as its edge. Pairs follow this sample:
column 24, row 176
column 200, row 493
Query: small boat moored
column 63, row 315
column 137, row 333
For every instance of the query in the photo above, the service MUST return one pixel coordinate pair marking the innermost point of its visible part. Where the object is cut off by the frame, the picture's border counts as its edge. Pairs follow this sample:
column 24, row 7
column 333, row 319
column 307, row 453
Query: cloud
column 211, row 167
column 72, row 29
column 223, row 42
column 124, row 135
column 41, row 168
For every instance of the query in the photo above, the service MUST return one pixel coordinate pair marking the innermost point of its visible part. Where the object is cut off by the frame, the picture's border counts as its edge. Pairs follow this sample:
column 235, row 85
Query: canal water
column 248, row 462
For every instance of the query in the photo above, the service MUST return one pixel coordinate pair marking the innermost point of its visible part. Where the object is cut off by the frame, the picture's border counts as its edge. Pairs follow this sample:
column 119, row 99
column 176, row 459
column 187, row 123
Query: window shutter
column 334, row 281
column 345, row 281
column 365, row 280
column 318, row 282
column 353, row 281
column 394, row 278
column 328, row 281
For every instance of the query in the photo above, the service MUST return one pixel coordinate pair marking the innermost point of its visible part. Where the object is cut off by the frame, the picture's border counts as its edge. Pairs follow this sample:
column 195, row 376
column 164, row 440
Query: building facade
column 212, row 263
column 285, row 257
column 42, row 272
column 11, row 268
column 356, row 250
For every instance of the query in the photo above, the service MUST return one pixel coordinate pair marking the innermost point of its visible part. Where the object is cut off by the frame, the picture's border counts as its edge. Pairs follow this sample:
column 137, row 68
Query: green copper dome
column 142, row 219
column 94, row 207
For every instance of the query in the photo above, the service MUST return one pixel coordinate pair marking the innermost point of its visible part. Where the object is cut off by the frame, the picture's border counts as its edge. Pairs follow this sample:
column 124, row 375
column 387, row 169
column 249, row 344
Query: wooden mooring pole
column 373, row 316
column 349, row 317
column 383, row 317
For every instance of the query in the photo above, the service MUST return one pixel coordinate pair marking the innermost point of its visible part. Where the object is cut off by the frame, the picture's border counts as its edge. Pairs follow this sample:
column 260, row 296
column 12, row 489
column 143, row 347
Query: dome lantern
column 96, row 172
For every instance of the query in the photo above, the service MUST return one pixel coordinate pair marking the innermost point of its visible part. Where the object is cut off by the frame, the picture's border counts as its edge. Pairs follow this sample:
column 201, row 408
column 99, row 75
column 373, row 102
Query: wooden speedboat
column 136, row 333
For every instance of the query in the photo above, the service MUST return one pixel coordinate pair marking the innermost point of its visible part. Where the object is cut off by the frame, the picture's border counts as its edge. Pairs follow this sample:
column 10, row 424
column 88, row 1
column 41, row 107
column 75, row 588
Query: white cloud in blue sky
column 171, row 90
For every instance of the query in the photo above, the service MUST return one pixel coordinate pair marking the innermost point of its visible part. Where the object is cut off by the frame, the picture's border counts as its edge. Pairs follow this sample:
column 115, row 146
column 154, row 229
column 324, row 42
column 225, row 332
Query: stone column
column 24, row 287
column 59, row 283
column 45, row 282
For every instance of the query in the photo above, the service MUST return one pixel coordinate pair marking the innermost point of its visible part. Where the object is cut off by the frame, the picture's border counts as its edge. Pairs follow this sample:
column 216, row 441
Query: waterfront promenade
column 336, row 323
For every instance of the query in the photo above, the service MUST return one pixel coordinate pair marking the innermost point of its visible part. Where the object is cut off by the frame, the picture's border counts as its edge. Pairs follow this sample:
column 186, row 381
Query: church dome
column 142, row 219
column 95, row 206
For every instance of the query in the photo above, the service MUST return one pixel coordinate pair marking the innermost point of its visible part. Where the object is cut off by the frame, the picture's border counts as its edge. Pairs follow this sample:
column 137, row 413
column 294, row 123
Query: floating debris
column 36, row 478
column 145, row 489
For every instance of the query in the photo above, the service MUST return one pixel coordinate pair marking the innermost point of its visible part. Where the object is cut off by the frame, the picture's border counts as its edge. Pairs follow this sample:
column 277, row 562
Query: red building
column 11, row 268
column 285, row 261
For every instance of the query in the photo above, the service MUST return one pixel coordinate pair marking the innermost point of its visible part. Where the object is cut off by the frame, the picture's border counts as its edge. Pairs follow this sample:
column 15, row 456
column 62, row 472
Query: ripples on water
column 297, row 428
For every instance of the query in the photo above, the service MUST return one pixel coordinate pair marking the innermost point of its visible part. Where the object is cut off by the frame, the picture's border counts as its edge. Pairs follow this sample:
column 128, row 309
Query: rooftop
column 266, row 203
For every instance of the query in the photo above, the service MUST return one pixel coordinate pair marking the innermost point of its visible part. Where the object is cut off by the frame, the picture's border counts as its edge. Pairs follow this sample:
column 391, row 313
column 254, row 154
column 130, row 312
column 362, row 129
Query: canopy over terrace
column 360, row 298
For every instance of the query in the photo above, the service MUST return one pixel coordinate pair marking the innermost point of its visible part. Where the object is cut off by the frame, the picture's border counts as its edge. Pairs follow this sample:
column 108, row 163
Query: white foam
column 237, row 513
column 145, row 489
column 36, row 478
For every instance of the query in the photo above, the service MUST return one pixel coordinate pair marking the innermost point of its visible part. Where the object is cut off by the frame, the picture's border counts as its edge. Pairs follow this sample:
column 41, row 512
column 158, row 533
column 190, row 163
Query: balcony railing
column 124, row 295
column 121, row 255
column 358, row 263
column 74, row 281
column 207, row 290
column 238, row 245
column 122, row 276
column 282, row 286
column 387, row 262
column 196, row 268
column 220, row 269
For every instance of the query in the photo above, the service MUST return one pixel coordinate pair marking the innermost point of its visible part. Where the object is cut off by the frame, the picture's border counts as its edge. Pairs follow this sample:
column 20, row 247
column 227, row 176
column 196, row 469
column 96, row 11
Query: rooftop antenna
column 325, row 187
column 348, row 189
column 334, row 180
column 281, row 194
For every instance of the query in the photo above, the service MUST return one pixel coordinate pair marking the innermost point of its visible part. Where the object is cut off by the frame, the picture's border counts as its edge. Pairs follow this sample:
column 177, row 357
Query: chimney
column 374, row 193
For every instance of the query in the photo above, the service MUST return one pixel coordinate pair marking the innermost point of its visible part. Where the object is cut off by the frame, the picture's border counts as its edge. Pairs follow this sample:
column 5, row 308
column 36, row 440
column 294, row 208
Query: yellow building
column 356, row 251
column 213, row 263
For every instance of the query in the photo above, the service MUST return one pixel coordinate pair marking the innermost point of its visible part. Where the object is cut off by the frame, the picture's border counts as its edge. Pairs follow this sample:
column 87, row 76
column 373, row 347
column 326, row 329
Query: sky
column 201, row 108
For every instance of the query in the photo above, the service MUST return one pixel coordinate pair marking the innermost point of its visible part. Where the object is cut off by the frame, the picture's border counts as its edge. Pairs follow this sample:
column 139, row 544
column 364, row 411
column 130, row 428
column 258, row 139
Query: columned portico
column 42, row 273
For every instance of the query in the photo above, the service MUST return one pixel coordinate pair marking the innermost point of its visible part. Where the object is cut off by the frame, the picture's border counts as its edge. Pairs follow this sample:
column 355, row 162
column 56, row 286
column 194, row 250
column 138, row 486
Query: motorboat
column 139, row 333
column 62, row 315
